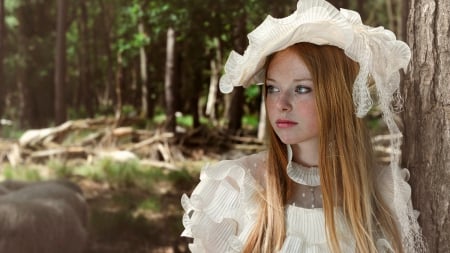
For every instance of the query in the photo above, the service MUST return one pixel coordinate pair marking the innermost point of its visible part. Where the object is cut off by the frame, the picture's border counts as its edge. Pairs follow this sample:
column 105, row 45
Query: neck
column 306, row 153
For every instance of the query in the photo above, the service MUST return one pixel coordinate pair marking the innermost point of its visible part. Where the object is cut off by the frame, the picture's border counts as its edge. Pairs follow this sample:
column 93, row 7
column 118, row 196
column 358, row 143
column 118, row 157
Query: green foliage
column 150, row 204
column 159, row 118
column 120, row 174
column 10, row 132
column 253, row 92
column 185, row 120
column 59, row 168
column 180, row 176
column 110, row 29
column 21, row 173
column 129, row 110
column 250, row 121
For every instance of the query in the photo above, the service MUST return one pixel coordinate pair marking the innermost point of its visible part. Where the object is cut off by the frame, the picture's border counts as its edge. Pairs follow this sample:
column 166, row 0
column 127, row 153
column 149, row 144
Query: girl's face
column 290, row 99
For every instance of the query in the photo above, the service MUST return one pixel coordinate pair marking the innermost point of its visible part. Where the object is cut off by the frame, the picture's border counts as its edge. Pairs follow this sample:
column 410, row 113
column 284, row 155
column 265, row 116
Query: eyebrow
column 295, row 80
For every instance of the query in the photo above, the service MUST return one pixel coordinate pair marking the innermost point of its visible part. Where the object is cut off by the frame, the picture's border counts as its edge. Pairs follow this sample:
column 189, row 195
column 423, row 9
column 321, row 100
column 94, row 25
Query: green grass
column 150, row 204
column 185, row 120
column 10, row 132
column 120, row 175
column 21, row 173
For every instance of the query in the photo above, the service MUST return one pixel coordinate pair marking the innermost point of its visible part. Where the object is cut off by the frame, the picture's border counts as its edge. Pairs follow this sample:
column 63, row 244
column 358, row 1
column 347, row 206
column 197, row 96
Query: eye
column 271, row 89
column 302, row 89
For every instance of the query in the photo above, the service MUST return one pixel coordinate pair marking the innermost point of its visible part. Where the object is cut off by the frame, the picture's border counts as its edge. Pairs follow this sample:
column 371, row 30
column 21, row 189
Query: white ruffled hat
column 376, row 50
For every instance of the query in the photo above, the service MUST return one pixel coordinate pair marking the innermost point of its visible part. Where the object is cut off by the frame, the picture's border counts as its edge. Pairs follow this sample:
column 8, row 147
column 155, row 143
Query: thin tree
column 109, row 80
column 118, row 89
column 85, row 93
column 235, row 109
column 426, row 149
column 169, row 83
column 2, row 53
column 60, row 63
column 143, row 73
column 214, row 80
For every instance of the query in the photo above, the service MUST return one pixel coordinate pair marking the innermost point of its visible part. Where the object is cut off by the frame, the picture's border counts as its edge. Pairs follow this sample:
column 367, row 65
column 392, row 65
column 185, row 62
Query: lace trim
column 303, row 175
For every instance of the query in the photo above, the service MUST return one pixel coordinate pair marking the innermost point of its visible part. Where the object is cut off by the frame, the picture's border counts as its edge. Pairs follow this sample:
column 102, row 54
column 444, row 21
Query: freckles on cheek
column 310, row 115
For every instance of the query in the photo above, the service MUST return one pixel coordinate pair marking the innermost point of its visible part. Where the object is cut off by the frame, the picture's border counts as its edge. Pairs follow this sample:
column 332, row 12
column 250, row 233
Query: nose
column 284, row 103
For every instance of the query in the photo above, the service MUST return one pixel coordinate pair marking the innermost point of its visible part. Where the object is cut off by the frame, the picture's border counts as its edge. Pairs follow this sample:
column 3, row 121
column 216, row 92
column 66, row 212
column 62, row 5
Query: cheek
column 270, row 108
column 308, row 112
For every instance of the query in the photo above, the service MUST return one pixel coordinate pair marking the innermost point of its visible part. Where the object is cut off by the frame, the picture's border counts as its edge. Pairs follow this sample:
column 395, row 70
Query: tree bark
column 262, row 119
column 169, row 81
column 214, row 81
column 340, row 3
column 85, row 93
column 361, row 10
column 144, row 78
column 2, row 54
column 118, row 89
column 236, row 110
column 105, row 100
column 60, row 63
column 426, row 149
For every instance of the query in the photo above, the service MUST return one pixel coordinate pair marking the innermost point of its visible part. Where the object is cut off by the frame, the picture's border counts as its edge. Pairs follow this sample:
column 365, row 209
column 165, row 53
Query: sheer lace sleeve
column 222, row 208
column 396, row 192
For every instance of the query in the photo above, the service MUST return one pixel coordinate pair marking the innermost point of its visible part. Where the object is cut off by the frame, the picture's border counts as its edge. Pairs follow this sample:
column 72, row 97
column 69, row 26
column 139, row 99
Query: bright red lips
column 284, row 123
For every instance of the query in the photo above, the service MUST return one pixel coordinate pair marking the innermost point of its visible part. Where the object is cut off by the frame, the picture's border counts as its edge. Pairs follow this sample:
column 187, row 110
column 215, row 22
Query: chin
column 292, row 140
column 289, row 141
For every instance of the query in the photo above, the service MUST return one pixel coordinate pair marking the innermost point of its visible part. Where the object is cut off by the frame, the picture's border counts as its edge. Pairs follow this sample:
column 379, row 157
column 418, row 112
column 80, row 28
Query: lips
column 284, row 123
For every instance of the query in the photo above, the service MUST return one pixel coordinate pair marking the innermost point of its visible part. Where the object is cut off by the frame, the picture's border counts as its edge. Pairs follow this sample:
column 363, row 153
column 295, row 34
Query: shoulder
column 253, row 165
column 224, row 205
column 392, row 183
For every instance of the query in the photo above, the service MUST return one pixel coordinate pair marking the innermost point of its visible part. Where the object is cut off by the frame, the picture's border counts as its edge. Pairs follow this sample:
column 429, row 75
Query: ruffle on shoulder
column 396, row 193
column 222, row 208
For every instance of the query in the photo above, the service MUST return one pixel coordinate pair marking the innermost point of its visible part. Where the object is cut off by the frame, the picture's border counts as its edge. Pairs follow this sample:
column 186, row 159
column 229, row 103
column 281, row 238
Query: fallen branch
column 157, row 138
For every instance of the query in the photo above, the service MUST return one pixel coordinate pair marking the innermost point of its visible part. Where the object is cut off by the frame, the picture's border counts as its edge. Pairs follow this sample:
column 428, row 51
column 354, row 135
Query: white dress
column 223, row 207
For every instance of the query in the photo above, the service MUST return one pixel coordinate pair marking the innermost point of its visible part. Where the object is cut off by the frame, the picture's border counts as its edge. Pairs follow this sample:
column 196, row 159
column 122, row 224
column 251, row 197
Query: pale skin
column 291, row 106
column 292, row 110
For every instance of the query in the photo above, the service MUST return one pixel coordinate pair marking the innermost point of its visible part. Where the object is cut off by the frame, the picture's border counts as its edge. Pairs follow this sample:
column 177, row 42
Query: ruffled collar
column 301, row 174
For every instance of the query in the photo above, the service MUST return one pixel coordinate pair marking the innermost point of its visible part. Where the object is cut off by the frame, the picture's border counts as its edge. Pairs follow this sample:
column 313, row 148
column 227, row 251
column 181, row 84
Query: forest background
column 140, row 69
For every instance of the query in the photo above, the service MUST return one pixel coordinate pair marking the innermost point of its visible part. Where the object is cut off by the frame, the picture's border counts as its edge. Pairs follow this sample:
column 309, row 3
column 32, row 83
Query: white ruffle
column 300, row 174
column 222, row 208
column 306, row 231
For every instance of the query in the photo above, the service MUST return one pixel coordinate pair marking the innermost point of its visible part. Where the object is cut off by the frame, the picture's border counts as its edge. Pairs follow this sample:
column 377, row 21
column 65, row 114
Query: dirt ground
column 116, row 226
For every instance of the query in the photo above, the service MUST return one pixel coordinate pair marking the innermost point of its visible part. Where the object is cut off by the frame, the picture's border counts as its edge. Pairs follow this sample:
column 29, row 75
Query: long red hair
column 346, row 163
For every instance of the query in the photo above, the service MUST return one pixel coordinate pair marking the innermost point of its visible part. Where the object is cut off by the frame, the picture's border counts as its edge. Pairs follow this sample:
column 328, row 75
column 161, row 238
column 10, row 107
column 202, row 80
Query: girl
column 317, row 188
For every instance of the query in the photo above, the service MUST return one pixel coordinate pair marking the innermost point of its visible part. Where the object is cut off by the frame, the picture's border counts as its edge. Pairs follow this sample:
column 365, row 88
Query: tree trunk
column 361, row 10
column 105, row 100
column 60, row 63
column 169, row 82
column 2, row 54
column 236, row 110
column 426, row 149
column 214, row 81
column 118, row 89
column 85, row 93
column 262, row 119
column 144, row 79
column 390, row 15
column 340, row 3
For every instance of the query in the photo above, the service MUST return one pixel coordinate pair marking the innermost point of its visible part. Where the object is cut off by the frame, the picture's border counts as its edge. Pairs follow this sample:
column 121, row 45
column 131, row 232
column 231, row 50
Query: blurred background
column 121, row 98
